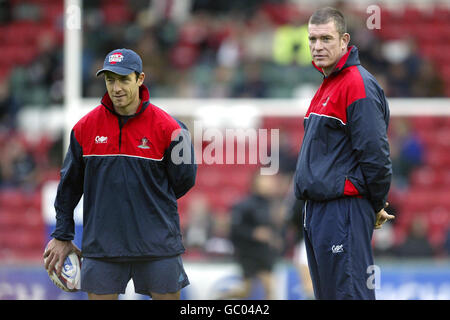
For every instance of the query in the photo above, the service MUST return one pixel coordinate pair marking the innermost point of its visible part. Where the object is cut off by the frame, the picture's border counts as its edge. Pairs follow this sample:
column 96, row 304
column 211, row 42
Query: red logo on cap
column 115, row 57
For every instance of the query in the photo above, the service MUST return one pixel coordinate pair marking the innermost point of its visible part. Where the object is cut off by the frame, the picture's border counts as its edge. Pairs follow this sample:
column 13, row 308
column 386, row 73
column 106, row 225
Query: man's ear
column 141, row 78
column 345, row 40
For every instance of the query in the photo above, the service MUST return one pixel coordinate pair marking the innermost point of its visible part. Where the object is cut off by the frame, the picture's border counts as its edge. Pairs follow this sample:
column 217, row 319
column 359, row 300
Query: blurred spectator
column 255, row 236
column 199, row 224
column 384, row 241
column 258, row 37
column 219, row 244
column 251, row 85
column 9, row 106
column 399, row 80
column 231, row 49
column 5, row 12
column 372, row 57
column 427, row 83
column 225, row 6
column 407, row 151
column 416, row 244
column 447, row 241
column 17, row 166
column 55, row 152
column 291, row 45
column 220, row 87
column 287, row 155
column 412, row 61
column 42, row 79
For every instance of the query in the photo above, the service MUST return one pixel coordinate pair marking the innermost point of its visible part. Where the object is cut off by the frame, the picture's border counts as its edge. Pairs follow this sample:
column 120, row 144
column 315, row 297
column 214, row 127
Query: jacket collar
column 351, row 58
column 143, row 94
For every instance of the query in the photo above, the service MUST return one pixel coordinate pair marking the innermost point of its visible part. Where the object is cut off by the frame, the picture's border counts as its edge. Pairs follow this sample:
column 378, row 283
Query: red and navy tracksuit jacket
column 123, row 167
column 345, row 151
column 343, row 174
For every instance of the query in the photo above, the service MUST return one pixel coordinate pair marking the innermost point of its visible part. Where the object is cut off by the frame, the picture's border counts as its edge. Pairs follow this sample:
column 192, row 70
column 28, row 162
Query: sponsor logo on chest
column 101, row 139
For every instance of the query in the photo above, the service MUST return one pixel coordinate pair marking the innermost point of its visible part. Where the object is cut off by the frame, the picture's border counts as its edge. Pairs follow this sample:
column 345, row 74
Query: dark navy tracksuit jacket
column 123, row 167
column 343, row 173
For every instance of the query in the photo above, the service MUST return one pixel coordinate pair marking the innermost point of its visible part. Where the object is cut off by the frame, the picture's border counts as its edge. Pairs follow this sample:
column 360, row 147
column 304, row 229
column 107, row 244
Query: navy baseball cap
column 122, row 61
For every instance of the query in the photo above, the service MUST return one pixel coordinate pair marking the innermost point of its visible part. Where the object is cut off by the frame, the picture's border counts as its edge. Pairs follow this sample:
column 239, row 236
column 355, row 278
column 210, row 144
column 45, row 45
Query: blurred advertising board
column 398, row 281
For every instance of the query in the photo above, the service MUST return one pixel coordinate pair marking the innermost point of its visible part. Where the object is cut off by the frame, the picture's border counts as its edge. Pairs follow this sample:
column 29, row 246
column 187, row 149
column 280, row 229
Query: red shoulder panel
column 336, row 93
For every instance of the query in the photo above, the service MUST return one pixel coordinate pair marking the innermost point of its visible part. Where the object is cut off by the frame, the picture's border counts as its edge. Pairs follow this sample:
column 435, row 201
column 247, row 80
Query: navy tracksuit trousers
column 338, row 236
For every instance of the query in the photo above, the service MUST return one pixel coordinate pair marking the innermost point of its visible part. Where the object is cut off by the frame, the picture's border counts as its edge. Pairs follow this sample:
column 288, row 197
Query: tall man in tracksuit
column 343, row 170
column 131, row 161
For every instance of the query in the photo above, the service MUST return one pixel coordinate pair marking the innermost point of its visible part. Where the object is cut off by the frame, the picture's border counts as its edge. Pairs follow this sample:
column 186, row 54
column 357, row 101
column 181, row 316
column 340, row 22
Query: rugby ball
column 70, row 278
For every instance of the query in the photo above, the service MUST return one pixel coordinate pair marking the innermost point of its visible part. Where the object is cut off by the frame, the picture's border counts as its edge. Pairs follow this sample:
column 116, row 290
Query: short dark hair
column 324, row 15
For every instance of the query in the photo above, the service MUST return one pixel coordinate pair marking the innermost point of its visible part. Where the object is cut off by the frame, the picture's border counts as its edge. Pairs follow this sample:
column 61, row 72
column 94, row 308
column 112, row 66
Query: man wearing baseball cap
column 121, row 158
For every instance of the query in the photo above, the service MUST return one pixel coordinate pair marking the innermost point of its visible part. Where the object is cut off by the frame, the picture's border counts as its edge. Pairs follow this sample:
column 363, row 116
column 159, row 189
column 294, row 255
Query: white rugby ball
column 70, row 279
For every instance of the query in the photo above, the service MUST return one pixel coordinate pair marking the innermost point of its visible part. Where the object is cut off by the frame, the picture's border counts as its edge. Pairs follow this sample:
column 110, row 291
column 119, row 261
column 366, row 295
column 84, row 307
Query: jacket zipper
column 304, row 215
column 121, row 124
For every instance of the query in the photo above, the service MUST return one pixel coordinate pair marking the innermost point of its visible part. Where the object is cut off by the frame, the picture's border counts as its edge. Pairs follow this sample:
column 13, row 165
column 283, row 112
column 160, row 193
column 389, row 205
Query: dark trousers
column 338, row 236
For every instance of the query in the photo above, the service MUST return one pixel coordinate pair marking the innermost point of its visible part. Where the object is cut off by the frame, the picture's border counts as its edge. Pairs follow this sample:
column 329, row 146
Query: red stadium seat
column 419, row 200
column 426, row 177
column 445, row 71
column 12, row 199
column 437, row 224
column 441, row 14
column 427, row 34
column 437, row 158
column 115, row 13
column 411, row 15
column 390, row 17
column 425, row 123
column 52, row 12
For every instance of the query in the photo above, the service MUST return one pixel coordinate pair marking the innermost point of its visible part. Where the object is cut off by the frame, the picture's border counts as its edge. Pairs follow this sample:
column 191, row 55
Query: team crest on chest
column 144, row 143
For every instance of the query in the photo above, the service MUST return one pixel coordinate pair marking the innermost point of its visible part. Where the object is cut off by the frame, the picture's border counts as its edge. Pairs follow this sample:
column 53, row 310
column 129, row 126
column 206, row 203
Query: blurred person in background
column 407, row 152
column 290, row 43
column 427, row 83
column 416, row 244
column 344, row 170
column 9, row 106
column 447, row 241
column 255, row 237
column 5, row 12
column 17, row 165
column 199, row 225
column 219, row 244
column 252, row 85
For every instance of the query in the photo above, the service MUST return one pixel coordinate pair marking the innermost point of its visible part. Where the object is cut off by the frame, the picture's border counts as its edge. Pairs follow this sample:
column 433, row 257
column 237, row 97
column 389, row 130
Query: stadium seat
column 425, row 123
column 115, row 13
column 418, row 200
column 412, row 15
column 12, row 199
column 426, row 177
column 437, row 158
column 437, row 223
column 441, row 14
column 445, row 71
column 52, row 11
column 426, row 33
